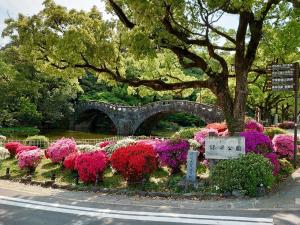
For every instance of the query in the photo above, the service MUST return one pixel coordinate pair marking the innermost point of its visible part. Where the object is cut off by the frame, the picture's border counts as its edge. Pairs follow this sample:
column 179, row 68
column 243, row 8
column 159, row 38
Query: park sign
column 285, row 77
column 282, row 77
column 224, row 147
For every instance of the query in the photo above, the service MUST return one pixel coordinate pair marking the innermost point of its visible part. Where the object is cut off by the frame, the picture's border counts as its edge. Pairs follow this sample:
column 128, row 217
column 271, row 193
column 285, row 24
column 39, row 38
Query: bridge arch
column 208, row 113
column 87, row 117
column 127, row 119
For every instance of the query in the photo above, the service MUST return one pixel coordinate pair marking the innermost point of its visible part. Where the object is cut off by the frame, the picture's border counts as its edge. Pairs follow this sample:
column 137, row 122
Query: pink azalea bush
column 257, row 142
column 252, row 124
column 29, row 159
column 23, row 148
column 60, row 149
column 284, row 145
column 201, row 135
column 89, row 164
column 275, row 162
column 173, row 153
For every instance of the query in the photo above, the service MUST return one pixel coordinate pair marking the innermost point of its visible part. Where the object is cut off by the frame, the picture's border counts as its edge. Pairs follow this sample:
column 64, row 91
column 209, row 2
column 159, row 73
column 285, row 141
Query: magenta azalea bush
column 201, row 135
column 60, row 149
column 273, row 158
column 252, row 124
column 29, row 159
column 173, row 153
column 284, row 145
column 257, row 142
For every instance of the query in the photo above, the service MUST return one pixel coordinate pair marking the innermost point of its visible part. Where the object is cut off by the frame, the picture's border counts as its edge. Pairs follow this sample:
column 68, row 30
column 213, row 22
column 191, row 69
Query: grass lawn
column 160, row 180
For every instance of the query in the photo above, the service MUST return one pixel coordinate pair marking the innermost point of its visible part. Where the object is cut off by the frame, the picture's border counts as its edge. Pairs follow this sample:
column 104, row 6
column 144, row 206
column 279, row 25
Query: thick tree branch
column 117, row 9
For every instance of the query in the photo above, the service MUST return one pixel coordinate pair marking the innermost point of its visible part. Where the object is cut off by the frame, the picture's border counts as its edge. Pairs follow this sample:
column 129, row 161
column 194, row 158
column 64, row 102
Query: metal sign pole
column 296, row 80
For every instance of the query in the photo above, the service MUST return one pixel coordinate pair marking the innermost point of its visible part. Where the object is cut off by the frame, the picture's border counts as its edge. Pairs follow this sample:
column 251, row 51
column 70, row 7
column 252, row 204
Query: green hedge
column 272, row 131
column 187, row 133
column 19, row 131
column 246, row 173
column 39, row 141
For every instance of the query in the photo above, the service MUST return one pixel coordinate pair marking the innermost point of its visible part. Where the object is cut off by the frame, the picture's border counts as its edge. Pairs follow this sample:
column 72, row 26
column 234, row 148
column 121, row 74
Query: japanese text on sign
column 224, row 147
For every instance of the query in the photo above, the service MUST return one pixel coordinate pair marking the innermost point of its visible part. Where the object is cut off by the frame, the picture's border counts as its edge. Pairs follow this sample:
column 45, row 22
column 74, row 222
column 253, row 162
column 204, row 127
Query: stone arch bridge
column 127, row 119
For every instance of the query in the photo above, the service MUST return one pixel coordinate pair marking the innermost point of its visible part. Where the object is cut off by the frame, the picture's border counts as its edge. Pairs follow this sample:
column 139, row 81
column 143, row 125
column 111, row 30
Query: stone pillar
column 257, row 114
column 276, row 119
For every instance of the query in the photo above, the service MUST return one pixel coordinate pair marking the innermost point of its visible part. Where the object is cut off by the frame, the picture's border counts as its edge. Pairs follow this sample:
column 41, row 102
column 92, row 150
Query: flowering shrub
column 220, row 127
column 201, row 135
column 29, row 159
column 89, row 164
column 60, row 149
column 134, row 162
column 257, row 142
column 287, row 125
column 252, row 124
column 23, row 148
column 173, row 153
column 286, row 168
column 69, row 162
column 2, row 139
column 3, row 153
column 121, row 143
column 104, row 144
column 284, row 145
column 275, row 162
column 224, row 133
column 86, row 148
column 12, row 147
column 194, row 144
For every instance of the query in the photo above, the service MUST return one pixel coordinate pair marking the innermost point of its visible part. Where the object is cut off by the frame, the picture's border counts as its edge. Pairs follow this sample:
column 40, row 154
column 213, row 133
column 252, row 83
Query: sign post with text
column 285, row 77
column 224, row 147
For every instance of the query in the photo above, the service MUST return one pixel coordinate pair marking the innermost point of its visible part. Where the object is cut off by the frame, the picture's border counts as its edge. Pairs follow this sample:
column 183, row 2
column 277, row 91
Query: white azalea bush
column 87, row 148
column 121, row 143
column 3, row 153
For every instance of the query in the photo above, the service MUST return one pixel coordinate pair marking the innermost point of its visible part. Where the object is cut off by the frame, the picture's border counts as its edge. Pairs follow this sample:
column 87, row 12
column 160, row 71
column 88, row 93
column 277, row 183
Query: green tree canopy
column 157, row 40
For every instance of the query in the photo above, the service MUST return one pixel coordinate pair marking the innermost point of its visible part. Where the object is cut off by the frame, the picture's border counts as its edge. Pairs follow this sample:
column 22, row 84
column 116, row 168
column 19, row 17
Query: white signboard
column 224, row 147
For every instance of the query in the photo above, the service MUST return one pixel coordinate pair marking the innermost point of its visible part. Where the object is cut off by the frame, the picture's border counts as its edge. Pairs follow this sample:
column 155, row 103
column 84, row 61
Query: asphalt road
column 65, row 208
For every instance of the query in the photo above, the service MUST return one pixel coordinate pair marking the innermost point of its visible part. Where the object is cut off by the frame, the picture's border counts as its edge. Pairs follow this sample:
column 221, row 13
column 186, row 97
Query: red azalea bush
column 12, row 147
column 23, row 148
column 134, row 162
column 69, row 162
column 60, row 149
column 252, row 124
column 104, row 144
column 29, row 159
column 284, row 145
column 220, row 127
column 89, row 164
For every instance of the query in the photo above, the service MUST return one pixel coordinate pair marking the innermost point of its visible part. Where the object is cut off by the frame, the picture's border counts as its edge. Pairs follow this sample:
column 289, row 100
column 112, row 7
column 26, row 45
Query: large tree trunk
column 234, row 110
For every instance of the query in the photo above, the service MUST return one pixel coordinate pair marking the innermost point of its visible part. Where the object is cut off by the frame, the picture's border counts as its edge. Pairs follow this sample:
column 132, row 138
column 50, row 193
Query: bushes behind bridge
column 19, row 131
column 39, row 141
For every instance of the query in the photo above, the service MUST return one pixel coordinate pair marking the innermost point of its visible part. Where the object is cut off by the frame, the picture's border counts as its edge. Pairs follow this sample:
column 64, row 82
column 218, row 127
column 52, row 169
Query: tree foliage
column 153, row 42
